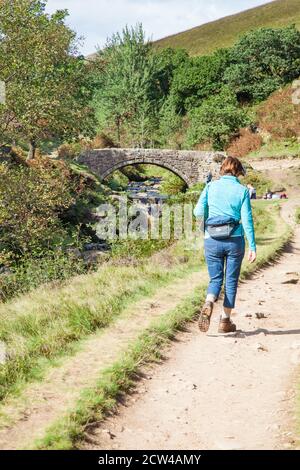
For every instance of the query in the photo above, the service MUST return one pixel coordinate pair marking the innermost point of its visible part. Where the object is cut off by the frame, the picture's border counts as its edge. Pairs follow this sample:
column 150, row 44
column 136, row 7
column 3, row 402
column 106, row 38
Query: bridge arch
column 192, row 167
column 166, row 166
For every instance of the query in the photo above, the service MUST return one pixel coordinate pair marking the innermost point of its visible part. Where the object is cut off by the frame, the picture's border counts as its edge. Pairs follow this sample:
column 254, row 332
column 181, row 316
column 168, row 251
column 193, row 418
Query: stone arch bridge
column 191, row 166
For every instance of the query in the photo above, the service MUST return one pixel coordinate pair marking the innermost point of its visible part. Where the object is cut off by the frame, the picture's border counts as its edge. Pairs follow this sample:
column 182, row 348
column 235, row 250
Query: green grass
column 96, row 402
column 260, row 182
column 277, row 149
column 226, row 31
column 49, row 321
column 298, row 215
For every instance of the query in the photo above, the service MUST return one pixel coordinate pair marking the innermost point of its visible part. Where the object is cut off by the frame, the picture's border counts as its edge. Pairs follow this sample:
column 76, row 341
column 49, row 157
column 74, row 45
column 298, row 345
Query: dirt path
column 42, row 403
column 216, row 392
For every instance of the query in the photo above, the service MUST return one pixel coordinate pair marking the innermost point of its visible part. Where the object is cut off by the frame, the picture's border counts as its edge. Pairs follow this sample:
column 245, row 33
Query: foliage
column 172, row 185
column 48, row 86
column 32, row 272
column 218, row 119
column 279, row 116
column 117, row 181
column 246, row 142
column 258, row 180
column 168, row 61
column 262, row 61
column 31, row 201
column 69, row 151
column 170, row 125
column 125, row 97
column 197, row 79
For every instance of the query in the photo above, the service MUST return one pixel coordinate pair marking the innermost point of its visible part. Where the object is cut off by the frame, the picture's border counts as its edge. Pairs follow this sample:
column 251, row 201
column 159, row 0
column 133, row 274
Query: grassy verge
column 278, row 149
column 298, row 215
column 97, row 401
column 48, row 322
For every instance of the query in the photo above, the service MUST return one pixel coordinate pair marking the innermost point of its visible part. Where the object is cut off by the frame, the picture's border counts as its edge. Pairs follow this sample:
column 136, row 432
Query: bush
column 197, row 79
column 217, row 119
column 258, row 181
column 246, row 142
column 279, row 116
column 172, row 185
column 102, row 141
column 32, row 273
column 31, row 201
column 69, row 151
column 262, row 61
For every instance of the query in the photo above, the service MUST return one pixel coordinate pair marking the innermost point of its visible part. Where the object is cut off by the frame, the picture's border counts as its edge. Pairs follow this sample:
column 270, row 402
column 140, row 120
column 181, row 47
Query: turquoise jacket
column 227, row 197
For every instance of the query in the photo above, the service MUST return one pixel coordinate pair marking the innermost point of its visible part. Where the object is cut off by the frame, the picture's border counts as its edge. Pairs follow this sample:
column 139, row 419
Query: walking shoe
column 205, row 315
column 226, row 326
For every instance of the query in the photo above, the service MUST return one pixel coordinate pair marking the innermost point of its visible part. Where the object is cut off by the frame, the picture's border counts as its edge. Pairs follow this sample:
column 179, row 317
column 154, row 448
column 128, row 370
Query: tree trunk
column 118, row 125
column 32, row 149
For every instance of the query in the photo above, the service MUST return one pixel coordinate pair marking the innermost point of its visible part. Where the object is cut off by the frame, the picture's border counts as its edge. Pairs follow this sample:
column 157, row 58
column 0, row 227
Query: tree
column 167, row 63
column 262, row 61
column 216, row 120
column 126, row 97
column 31, row 201
column 170, row 125
column 48, row 87
column 196, row 79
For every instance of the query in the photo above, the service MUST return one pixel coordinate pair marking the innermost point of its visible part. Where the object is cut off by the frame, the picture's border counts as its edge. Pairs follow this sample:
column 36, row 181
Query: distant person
column 222, row 205
column 209, row 178
column 283, row 196
column 268, row 195
column 252, row 191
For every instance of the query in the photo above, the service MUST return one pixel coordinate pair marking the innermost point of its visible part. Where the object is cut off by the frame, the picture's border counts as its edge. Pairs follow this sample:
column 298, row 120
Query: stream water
column 147, row 192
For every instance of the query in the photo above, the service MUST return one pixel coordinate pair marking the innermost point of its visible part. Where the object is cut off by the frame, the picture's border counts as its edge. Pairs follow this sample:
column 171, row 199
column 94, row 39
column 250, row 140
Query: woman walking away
column 223, row 204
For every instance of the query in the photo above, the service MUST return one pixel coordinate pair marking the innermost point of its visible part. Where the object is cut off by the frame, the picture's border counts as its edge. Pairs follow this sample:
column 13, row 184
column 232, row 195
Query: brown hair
column 232, row 166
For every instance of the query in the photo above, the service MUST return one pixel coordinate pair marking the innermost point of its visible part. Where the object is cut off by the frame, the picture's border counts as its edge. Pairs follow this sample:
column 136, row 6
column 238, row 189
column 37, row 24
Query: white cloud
column 98, row 19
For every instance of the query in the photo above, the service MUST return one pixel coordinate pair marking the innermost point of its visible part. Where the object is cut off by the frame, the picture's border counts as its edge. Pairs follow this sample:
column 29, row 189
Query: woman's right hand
column 252, row 256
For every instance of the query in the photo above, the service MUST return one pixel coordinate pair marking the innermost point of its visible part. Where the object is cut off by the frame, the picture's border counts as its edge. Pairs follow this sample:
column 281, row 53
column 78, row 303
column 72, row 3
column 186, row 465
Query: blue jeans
column 224, row 256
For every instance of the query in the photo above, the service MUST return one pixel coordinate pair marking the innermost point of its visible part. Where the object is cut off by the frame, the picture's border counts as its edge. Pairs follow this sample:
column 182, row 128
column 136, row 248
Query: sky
column 96, row 20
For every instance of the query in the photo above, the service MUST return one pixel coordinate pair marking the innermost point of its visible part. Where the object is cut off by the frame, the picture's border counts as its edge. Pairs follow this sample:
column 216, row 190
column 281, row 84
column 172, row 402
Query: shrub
column 262, row 61
column 102, row 141
column 246, row 142
column 173, row 185
column 31, row 201
column 258, row 180
column 31, row 273
column 217, row 119
column 197, row 79
column 279, row 116
column 69, row 151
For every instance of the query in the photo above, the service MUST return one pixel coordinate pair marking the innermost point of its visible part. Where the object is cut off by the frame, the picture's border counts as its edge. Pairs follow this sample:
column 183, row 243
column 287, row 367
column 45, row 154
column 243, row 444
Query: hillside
column 224, row 32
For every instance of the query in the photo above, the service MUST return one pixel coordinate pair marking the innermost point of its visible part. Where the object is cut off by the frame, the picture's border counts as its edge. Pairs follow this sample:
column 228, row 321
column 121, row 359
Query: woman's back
column 226, row 197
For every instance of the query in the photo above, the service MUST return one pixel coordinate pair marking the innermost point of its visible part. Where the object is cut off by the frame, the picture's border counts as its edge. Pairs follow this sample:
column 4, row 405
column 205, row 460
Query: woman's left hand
column 252, row 256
